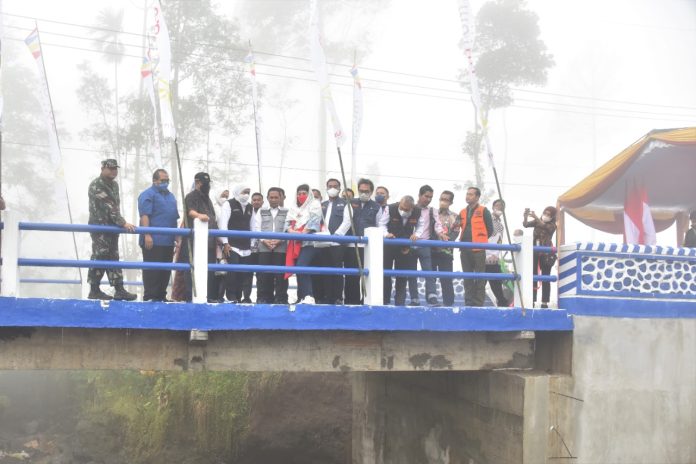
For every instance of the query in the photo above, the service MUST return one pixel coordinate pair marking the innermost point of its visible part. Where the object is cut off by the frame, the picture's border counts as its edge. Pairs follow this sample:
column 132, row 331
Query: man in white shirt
column 431, row 230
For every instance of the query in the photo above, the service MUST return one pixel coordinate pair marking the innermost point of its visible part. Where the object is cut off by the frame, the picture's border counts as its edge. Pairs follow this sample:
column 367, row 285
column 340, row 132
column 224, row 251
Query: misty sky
column 623, row 68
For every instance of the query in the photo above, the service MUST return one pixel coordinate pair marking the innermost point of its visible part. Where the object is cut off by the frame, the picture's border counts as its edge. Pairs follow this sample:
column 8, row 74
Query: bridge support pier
column 443, row 417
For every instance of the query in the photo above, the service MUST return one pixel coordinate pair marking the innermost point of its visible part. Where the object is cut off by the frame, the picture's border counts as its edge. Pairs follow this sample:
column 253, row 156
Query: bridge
column 609, row 376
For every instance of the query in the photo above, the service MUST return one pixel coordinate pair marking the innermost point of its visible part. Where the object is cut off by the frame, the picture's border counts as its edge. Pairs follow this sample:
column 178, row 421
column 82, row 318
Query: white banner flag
column 149, row 84
column 34, row 44
column 162, row 63
column 357, row 122
column 2, row 37
column 468, row 39
column 321, row 72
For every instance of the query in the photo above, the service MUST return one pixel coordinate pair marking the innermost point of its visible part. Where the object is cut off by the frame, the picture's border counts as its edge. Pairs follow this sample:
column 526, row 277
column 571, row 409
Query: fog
column 621, row 69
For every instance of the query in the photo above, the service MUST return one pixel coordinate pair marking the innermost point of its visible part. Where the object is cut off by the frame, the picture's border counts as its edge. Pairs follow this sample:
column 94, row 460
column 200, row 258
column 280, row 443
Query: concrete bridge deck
column 78, row 334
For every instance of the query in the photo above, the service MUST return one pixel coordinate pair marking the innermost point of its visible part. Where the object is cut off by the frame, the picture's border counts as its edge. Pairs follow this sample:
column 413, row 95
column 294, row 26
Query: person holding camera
column 544, row 228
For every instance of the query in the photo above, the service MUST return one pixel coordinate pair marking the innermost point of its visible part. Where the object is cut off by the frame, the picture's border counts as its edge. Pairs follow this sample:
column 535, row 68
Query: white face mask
column 497, row 212
column 333, row 192
column 244, row 198
column 404, row 214
column 546, row 218
column 221, row 200
column 364, row 197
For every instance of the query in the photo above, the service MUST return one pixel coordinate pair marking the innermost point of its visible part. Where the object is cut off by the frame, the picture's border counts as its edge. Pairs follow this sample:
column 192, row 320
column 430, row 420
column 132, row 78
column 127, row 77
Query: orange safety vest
column 479, row 233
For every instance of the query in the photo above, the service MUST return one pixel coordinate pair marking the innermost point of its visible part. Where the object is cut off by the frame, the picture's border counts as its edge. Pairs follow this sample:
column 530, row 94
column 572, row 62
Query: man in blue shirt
column 157, row 208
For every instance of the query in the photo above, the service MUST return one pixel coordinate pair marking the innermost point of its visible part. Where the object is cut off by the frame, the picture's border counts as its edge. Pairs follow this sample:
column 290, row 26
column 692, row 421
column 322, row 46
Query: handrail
column 87, row 263
column 287, row 236
column 350, row 271
column 446, row 274
column 447, row 244
column 52, row 227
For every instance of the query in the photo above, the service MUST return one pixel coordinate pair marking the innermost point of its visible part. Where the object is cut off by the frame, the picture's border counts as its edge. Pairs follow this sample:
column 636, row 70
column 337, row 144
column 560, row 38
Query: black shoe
column 413, row 303
column 282, row 301
column 432, row 301
column 233, row 301
column 544, row 306
column 122, row 294
column 246, row 300
column 338, row 302
column 215, row 300
column 97, row 294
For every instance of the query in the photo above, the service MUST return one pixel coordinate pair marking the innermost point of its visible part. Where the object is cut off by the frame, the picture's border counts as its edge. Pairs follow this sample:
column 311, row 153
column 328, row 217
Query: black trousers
column 155, row 282
column 444, row 262
column 330, row 286
column 401, row 261
column 271, row 288
column 234, row 281
column 497, row 286
column 248, row 283
column 352, row 288
column 539, row 264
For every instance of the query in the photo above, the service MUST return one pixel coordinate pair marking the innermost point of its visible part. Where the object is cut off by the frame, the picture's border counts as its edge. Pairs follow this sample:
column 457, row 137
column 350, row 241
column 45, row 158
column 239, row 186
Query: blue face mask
column 379, row 198
column 163, row 185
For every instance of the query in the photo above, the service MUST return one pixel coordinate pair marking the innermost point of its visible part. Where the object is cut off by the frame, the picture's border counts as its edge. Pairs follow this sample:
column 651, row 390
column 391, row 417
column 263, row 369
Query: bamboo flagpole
column 250, row 60
column 357, row 121
column 33, row 42
column 468, row 43
column 322, row 75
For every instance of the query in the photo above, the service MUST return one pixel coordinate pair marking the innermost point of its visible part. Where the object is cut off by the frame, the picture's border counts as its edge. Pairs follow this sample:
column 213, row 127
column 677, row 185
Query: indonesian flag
column 639, row 228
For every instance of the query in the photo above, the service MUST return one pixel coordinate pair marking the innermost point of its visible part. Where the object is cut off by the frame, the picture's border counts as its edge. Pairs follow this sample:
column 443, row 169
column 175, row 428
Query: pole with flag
column 2, row 33
column 321, row 74
column 33, row 42
column 357, row 120
column 251, row 61
column 161, row 70
column 149, row 84
column 468, row 39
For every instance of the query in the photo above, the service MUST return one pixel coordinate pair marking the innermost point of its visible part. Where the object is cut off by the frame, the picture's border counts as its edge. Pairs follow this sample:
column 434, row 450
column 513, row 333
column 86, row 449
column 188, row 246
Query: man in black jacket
column 403, row 221
column 690, row 239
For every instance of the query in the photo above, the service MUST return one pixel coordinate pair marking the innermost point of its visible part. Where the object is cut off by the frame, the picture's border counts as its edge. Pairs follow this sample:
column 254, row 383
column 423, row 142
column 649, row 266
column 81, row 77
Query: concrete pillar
column 446, row 417
column 200, row 261
column 374, row 262
column 523, row 261
column 369, row 421
column 10, row 254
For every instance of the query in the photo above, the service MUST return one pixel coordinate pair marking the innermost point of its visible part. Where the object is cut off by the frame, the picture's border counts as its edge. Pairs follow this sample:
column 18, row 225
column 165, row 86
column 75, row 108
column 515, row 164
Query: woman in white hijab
column 236, row 215
column 304, row 217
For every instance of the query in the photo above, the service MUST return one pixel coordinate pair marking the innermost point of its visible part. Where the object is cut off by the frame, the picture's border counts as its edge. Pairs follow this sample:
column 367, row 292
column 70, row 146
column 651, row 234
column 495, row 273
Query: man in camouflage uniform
column 104, row 210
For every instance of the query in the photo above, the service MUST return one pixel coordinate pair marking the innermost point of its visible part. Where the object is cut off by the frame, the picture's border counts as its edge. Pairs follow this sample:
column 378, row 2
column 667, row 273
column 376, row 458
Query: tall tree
column 510, row 53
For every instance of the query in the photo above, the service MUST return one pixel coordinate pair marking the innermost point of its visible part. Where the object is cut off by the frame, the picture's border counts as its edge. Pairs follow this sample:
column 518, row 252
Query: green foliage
column 203, row 413
column 509, row 53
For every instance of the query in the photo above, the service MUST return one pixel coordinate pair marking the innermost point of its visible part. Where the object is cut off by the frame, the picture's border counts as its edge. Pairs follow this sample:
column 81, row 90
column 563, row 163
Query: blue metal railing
column 184, row 232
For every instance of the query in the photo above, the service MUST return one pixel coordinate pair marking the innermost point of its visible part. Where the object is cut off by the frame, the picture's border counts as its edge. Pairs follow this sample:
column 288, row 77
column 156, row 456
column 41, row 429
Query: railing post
column 524, row 261
column 200, row 261
column 10, row 254
column 374, row 262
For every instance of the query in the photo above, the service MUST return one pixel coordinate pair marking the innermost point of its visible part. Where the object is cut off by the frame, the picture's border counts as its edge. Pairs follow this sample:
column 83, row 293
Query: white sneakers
column 308, row 300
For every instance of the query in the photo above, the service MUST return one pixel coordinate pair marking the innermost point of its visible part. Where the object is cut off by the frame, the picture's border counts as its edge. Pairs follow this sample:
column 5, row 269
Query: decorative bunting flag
column 162, row 70
column 321, row 72
column 251, row 61
column 2, row 33
column 33, row 42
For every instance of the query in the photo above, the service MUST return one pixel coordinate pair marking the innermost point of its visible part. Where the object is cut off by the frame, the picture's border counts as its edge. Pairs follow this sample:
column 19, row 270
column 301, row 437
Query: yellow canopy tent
column 664, row 161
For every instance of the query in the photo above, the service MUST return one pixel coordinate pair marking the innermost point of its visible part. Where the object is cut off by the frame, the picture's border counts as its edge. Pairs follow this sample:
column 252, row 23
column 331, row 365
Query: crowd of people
column 342, row 213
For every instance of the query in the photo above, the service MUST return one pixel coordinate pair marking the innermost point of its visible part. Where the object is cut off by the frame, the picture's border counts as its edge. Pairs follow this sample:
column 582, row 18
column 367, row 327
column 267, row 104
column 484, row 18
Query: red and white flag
column 639, row 228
